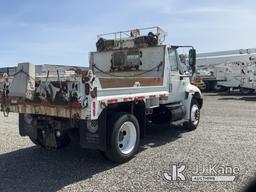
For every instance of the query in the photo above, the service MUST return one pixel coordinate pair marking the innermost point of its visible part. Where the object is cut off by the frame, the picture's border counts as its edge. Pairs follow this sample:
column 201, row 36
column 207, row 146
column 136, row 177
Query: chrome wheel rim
column 127, row 137
column 195, row 114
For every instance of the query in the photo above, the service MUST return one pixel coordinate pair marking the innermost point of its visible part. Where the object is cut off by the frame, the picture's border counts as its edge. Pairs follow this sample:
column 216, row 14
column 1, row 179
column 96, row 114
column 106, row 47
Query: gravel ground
column 225, row 136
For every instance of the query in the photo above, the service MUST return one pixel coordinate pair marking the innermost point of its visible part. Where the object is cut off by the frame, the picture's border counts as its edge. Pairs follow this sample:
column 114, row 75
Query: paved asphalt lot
column 226, row 136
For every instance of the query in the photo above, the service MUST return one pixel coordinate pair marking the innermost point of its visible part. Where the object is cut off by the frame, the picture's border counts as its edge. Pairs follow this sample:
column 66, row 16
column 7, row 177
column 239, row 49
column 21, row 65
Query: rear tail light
column 94, row 93
column 87, row 88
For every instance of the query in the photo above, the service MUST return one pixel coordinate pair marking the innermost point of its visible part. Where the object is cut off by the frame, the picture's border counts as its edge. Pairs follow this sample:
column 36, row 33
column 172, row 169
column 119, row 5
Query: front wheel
column 124, row 137
column 194, row 116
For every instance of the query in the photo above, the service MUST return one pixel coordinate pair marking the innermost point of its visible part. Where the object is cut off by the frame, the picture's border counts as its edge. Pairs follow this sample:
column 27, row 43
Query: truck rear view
column 133, row 78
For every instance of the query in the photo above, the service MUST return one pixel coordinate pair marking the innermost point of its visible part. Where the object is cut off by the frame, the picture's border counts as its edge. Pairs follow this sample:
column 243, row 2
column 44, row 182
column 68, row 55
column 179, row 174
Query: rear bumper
column 64, row 111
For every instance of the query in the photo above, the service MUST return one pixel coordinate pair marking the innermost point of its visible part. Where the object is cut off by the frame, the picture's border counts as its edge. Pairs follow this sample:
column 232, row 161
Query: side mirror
column 192, row 57
column 192, row 60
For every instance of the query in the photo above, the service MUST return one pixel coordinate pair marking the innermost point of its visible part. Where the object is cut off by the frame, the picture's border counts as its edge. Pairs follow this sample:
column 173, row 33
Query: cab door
column 176, row 83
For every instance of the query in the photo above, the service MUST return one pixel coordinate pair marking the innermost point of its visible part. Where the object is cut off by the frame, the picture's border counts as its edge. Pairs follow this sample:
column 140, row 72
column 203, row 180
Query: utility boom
column 222, row 70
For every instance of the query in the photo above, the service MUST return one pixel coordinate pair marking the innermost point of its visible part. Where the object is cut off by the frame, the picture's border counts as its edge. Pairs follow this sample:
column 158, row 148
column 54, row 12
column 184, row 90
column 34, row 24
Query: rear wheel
column 194, row 116
column 123, row 137
column 246, row 91
column 218, row 88
column 36, row 142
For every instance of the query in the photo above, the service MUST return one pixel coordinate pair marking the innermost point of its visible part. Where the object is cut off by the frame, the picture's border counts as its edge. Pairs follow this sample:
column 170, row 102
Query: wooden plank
column 116, row 82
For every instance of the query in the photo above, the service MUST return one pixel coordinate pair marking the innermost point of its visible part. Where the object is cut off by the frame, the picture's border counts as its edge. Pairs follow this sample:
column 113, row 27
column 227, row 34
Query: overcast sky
column 64, row 31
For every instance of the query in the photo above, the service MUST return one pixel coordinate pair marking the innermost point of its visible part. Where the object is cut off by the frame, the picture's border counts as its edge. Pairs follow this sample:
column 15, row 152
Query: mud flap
column 139, row 112
column 26, row 129
column 50, row 138
column 93, row 134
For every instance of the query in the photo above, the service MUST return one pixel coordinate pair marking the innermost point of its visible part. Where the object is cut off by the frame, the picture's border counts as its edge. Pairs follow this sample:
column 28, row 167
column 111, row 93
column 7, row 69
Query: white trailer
column 223, row 68
column 133, row 79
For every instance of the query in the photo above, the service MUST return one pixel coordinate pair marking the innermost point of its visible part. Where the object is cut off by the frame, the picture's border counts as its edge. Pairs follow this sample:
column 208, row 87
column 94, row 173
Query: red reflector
column 93, row 108
column 94, row 93
column 87, row 88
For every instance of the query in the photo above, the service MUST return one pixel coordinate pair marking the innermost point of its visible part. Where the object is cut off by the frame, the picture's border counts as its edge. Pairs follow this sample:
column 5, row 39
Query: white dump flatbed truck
column 133, row 78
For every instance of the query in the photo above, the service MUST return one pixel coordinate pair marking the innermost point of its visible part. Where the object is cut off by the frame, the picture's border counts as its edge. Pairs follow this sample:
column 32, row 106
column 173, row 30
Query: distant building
column 9, row 70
